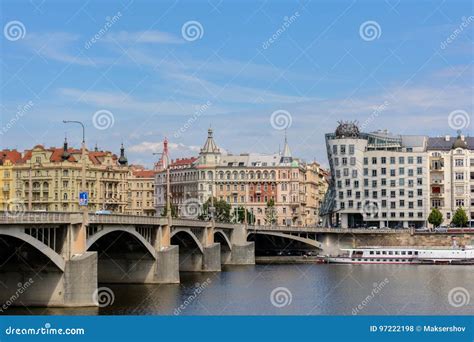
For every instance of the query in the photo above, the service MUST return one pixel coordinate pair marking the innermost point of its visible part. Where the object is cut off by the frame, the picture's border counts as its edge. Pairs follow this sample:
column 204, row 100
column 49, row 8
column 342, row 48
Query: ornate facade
column 245, row 181
column 49, row 179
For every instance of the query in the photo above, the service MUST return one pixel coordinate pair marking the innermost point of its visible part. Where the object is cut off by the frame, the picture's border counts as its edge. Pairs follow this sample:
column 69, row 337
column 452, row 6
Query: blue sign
column 83, row 198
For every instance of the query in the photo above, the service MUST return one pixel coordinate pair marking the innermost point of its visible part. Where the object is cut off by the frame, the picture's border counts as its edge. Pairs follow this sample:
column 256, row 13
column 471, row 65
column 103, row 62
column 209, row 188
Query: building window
column 351, row 149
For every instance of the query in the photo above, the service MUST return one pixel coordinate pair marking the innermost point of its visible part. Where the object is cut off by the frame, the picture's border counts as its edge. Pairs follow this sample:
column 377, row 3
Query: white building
column 452, row 175
column 377, row 179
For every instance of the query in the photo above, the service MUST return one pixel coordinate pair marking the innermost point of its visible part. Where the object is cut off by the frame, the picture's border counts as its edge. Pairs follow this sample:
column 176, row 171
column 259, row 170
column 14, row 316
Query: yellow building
column 7, row 160
column 49, row 179
column 141, row 188
column 316, row 185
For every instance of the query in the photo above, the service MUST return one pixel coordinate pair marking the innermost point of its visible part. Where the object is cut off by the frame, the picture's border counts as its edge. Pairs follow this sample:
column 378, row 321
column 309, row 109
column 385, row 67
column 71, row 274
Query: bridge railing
column 38, row 217
column 126, row 219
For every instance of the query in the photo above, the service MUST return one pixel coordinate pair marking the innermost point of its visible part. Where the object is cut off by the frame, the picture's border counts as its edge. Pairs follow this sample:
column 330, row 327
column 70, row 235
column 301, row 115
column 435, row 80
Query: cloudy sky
column 137, row 71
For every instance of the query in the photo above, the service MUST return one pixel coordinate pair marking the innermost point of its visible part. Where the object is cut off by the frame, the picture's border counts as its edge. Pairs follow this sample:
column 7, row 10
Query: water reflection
column 314, row 290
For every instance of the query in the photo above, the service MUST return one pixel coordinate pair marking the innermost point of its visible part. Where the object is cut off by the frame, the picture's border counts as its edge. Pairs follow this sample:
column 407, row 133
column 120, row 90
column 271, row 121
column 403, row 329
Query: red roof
column 57, row 152
column 144, row 173
column 12, row 155
column 183, row 161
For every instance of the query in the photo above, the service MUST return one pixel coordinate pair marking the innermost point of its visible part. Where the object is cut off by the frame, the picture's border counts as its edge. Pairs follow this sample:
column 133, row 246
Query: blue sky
column 310, row 60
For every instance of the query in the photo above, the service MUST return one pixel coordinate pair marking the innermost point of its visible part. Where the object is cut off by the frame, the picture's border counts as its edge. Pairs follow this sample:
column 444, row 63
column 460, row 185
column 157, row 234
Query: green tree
column 460, row 218
column 222, row 210
column 174, row 211
column 271, row 216
column 240, row 218
column 435, row 218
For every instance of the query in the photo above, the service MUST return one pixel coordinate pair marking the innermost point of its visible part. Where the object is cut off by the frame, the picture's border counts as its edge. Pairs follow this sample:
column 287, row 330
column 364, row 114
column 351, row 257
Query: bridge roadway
column 63, row 256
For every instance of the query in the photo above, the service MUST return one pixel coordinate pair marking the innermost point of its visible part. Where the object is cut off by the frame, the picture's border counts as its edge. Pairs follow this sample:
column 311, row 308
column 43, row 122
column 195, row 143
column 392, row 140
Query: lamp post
column 83, row 157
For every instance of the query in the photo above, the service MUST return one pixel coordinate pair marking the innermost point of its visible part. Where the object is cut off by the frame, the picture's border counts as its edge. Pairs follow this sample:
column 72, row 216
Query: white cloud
column 153, row 37
column 152, row 147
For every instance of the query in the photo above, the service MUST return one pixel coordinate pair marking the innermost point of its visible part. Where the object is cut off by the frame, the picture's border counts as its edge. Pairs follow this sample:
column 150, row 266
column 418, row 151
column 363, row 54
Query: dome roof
column 347, row 129
column 460, row 143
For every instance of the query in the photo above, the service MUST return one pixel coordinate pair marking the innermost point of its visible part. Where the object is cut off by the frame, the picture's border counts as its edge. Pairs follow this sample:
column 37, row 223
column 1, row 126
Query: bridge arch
column 190, row 234
column 311, row 242
column 223, row 236
column 129, row 230
column 41, row 247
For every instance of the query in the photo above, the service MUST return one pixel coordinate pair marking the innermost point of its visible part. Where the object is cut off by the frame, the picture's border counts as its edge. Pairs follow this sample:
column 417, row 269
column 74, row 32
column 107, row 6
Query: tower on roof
column 210, row 152
column 65, row 155
column 122, row 160
column 286, row 154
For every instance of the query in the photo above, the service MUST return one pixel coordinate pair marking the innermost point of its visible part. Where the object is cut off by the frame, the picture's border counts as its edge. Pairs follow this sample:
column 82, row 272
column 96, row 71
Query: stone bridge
column 63, row 256
column 67, row 254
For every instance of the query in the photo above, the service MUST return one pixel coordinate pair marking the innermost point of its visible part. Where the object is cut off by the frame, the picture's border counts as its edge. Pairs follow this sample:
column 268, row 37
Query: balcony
column 437, row 195
column 6, row 188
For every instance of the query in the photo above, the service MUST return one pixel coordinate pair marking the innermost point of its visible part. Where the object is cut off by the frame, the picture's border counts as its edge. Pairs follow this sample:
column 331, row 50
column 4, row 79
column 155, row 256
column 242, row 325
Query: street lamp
column 83, row 156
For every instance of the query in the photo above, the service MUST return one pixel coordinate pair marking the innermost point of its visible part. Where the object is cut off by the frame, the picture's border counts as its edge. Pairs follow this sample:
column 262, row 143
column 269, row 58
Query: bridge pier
column 211, row 258
column 167, row 265
column 46, row 266
column 243, row 252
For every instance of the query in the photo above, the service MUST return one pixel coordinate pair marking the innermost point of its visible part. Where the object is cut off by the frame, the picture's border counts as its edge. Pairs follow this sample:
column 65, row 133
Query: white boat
column 405, row 255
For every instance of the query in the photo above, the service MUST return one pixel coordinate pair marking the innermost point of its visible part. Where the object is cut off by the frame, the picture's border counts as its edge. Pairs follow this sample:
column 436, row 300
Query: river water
column 303, row 289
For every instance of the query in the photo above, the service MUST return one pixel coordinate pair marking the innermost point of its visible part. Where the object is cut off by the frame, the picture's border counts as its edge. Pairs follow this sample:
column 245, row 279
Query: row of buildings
column 386, row 180
column 248, row 182
column 49, row 179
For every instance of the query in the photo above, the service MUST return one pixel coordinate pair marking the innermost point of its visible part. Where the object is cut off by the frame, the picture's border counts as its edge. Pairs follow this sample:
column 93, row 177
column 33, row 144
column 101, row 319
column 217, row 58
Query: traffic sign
column 83, row 198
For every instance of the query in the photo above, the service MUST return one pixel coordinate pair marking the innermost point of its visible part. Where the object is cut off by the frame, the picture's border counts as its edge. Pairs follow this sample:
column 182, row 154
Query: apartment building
column 49, row 179
column 141, row 191
column 248, row 181
column 451, row 161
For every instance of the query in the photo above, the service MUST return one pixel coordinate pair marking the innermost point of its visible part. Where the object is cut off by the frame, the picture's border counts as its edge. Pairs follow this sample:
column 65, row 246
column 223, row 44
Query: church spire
column 210, row 145
column 286, row 155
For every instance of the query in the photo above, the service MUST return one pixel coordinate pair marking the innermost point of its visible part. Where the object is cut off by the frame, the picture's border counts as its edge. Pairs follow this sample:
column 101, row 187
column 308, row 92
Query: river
column 297, row 289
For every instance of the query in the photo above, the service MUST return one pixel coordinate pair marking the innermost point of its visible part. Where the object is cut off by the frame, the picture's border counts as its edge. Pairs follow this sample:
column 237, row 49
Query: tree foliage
column 460, row 218
column 435, row 218
column 222, row 210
